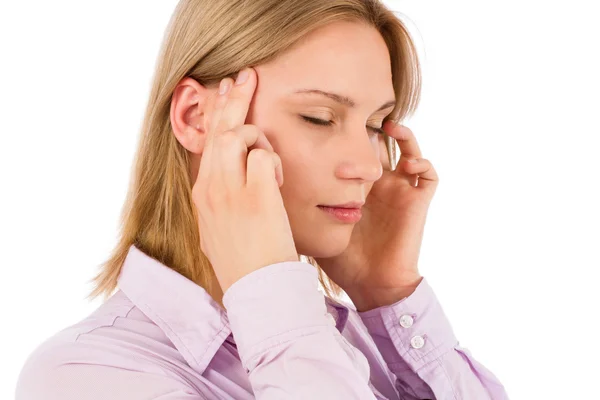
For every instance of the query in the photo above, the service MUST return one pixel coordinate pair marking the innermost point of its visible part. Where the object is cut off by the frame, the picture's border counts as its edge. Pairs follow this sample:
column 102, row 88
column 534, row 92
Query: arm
column 418, row 344
column 289, row 347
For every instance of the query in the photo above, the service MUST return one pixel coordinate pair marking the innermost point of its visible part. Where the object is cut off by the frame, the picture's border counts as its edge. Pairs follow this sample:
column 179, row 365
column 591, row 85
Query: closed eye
column 322, row 122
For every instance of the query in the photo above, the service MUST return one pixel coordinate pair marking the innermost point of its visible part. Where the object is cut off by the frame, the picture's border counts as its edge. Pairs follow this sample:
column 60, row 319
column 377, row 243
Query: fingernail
column 413, row 161
column 242, row 76
column 224, row 86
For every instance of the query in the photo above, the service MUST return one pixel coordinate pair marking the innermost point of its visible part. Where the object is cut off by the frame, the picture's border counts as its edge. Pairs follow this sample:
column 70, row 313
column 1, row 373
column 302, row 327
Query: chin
column 326, row 243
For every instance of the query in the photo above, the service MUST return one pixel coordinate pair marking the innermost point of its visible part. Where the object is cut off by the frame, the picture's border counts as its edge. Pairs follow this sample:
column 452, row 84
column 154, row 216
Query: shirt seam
column 112, row 323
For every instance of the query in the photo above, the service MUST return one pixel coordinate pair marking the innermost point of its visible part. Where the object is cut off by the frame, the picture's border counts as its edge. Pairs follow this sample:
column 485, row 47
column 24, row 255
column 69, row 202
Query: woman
column 234, row 185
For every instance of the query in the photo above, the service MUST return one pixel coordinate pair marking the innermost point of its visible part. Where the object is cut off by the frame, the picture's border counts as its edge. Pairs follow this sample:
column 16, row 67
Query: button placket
column 407, row 321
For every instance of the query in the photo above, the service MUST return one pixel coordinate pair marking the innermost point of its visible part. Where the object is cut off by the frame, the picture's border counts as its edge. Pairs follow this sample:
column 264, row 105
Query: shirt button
column 417, row 342
column 406, row 321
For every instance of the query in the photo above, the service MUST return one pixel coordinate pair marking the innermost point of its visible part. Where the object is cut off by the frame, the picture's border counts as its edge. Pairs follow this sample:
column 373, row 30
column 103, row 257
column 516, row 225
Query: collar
column 195, row 323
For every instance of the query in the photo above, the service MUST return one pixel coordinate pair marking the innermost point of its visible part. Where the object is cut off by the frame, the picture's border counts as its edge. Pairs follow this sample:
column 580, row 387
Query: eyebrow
column 341, row 99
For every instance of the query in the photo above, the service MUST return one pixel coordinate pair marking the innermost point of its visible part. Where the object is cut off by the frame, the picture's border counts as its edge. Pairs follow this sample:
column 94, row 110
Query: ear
column 187, row 114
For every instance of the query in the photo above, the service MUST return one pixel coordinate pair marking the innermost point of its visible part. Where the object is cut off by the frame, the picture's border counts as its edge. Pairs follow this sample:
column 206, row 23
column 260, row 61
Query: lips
column 348, row 215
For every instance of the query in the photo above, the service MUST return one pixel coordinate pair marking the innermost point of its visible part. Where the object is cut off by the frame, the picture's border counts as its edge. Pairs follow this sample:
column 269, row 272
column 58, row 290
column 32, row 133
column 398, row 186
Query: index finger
column 409, row 148
column 235, row 112
column 208, row 143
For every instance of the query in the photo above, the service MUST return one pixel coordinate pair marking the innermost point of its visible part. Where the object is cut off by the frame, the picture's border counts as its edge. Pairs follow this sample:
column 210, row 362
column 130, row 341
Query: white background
column 509, row 118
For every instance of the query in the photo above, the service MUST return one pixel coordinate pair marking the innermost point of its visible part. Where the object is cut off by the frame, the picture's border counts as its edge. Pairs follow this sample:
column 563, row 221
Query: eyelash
column 321, row 122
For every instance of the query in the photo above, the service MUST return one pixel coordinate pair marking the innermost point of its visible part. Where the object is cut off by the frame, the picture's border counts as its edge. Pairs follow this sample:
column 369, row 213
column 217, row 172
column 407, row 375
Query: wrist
column 370, row 298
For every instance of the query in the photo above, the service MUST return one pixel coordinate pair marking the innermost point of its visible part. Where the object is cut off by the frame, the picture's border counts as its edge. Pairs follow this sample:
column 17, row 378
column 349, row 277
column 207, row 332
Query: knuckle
column 252, row 129
column 259, row 154
column 254, row 133
column 228, row 137
column 275, row 156
column 215, row 196
column 232, row 143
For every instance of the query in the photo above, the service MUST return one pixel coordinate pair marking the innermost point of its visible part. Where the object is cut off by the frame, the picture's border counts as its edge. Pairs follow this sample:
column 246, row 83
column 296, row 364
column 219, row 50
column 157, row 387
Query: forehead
column 344, row 57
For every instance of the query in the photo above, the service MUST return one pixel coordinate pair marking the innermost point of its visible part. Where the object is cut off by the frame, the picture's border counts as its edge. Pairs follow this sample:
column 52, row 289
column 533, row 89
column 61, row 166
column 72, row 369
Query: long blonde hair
column 209, row 40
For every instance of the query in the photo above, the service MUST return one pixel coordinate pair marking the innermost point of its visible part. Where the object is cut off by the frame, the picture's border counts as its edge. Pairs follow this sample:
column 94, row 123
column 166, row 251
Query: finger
column 424, row 171
column 409, row 148
column 261, row 142
column 212, row 111
column 262, row 165
column 235, row 110
column 233, row 147
column 219, row 105
column 209, row 110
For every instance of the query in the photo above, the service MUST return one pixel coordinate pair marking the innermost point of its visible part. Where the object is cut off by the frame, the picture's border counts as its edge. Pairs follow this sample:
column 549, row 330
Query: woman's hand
column 379, row 266
column 242, row 220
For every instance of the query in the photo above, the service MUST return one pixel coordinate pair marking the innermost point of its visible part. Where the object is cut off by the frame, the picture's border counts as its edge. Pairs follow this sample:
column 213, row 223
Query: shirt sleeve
column 286, row 342
column 43, row 380
column 418, row 344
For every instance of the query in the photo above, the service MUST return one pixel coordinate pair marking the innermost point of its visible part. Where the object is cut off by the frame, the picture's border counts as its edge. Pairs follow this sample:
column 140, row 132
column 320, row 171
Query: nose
column 359, row 158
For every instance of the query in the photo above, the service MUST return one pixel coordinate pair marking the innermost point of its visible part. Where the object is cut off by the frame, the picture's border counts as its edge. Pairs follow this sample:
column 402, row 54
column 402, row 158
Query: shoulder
column 113, row 344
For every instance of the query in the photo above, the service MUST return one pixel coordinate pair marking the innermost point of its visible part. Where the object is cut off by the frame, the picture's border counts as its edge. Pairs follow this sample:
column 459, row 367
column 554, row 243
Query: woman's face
column 325, row 165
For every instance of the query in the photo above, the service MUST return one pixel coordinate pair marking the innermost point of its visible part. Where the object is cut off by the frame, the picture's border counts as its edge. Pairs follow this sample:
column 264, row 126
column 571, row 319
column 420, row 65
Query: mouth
column 350, row 204
column 344, row 214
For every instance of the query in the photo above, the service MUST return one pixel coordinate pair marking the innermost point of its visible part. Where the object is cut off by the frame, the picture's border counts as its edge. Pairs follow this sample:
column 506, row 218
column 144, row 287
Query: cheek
column 303, row 176
column 299, row 171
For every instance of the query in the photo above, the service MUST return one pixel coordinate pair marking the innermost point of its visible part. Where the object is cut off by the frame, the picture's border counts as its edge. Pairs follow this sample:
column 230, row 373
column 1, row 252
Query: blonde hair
column 209, row 40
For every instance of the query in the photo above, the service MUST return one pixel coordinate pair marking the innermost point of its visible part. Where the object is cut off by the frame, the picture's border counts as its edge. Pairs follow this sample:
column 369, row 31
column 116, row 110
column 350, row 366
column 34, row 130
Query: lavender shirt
column 161, row 336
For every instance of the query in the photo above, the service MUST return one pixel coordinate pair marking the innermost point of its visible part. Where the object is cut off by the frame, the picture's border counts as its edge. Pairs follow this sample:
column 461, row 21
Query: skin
column 328, row 165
